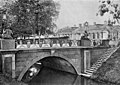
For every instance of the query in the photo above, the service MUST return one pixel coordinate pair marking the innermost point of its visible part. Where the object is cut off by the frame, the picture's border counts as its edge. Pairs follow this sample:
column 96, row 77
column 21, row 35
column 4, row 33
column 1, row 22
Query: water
column 49, row 76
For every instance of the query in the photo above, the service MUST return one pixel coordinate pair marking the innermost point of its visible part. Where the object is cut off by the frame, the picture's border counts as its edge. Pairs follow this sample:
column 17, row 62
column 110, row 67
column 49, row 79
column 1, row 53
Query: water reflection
column 48, row 76
column 86, row 81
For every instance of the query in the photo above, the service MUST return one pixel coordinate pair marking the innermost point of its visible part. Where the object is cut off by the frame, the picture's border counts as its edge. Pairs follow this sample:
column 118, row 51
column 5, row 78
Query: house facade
column 96, row 32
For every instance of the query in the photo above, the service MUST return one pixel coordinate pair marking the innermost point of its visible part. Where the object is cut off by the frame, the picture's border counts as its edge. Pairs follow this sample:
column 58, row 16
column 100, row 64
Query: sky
column 75, row 12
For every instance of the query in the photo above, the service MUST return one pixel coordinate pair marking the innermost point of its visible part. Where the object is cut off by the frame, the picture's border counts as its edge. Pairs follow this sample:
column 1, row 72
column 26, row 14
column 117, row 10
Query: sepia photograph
column 59, row 42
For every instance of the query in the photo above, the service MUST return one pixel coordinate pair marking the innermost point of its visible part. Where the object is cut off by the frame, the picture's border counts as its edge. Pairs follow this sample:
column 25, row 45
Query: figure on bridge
column 7, row 34
column 85, row 41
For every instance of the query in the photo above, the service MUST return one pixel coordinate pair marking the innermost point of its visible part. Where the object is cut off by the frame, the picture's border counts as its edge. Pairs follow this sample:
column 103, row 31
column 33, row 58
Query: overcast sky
column 74, row 12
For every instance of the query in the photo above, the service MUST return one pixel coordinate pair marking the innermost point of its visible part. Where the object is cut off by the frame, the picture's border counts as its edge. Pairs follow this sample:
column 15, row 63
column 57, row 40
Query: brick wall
column 96, row 53
column 22, row 57
column 73, row 56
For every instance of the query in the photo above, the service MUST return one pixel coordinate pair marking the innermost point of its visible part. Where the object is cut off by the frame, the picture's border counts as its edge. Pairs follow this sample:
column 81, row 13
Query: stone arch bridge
column 77, row 60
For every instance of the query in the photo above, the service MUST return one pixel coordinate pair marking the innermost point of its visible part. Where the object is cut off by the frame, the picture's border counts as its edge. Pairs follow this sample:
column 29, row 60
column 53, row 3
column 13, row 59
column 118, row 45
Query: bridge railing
column 6, row 44
column 47, row 43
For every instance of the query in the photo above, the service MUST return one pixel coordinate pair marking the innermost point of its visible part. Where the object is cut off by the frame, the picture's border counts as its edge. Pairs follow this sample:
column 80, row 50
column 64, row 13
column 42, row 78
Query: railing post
column 3, row 63
column 86, row 60
column 13, row 65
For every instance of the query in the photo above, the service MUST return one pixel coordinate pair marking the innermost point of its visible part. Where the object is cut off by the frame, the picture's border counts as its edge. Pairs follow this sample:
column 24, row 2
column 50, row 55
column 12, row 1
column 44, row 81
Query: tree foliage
column 111, row 7
column 30, row 16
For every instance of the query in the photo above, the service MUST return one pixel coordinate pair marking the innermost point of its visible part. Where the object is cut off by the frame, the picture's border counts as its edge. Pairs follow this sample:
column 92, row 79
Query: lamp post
column 37, row 3
column 36, row 20
column 4, row 22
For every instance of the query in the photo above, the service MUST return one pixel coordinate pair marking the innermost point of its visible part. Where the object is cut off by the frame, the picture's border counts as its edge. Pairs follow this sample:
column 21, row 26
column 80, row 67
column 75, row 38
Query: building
column 67, row 31
column 96, row 32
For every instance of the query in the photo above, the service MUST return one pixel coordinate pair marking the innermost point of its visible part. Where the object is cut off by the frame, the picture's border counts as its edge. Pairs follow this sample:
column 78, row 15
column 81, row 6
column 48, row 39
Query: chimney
column 80, row 25
column 86, row 24
column 94, row 23
column 105, row 22
column 74, row 25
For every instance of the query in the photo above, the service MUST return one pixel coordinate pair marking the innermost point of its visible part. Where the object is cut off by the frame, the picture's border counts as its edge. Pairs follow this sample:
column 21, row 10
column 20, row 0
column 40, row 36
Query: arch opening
column 59, row 64
column 53, row 62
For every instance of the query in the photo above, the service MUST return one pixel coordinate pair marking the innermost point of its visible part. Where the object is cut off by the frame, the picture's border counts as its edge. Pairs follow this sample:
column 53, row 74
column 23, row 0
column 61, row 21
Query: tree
column 27, row 17
column 111, row 7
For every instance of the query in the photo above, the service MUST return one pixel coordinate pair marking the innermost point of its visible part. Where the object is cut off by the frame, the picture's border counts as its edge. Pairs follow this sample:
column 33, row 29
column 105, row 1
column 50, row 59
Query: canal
column 48, row 76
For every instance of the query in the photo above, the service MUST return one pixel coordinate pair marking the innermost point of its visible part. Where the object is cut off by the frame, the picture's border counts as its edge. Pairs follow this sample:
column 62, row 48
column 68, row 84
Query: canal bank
column 110, row 70
column 5, row 80
column 49, row 76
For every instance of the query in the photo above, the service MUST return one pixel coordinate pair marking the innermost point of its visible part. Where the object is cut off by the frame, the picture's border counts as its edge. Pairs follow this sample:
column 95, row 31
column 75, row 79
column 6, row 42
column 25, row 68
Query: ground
column 8, row 81
column 110, row 70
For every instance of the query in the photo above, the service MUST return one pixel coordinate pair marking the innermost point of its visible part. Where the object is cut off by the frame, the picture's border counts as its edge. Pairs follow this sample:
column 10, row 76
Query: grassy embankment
column 110, row 70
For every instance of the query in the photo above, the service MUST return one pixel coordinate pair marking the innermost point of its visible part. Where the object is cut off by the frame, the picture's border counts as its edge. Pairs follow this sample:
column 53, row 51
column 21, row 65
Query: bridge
column 81, row 60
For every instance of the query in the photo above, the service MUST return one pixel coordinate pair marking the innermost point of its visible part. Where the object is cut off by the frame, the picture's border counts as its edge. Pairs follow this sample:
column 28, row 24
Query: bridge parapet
column 20, row 59
column 51, row 42
column 24, row 58
column 36, row 45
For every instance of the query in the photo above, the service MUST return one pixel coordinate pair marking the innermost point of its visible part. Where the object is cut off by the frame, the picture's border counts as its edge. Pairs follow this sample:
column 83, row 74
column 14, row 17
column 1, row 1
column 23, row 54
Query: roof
column 67, row 30
column 117, row 27
column 98, row 27
column 89, row 28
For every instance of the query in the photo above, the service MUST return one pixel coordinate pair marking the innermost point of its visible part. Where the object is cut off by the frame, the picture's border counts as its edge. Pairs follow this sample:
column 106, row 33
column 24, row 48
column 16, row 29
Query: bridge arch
column 33, row 61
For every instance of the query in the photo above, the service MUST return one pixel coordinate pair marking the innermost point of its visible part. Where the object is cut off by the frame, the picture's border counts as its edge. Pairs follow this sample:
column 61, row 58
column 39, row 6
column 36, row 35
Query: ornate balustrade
column 37, row 43
column 28, row 44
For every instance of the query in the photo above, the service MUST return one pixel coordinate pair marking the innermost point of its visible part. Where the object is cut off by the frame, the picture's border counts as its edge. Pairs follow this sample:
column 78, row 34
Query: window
column 98, row 35
column 93, row 35
column 101, row 35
